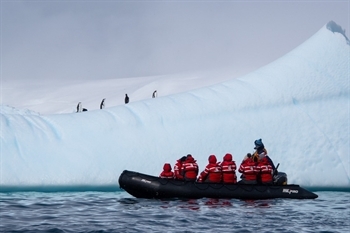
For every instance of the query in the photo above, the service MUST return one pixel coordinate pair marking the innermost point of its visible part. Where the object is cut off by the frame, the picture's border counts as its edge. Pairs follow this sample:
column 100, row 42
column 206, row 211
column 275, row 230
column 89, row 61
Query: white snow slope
column 299, row 106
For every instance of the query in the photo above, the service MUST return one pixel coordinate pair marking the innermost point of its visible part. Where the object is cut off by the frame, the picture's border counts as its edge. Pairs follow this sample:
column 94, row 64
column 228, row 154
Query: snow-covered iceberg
column 299, row 105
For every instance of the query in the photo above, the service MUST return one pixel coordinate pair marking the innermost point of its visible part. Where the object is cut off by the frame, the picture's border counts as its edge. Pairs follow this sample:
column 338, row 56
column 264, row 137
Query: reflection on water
column 119, row 212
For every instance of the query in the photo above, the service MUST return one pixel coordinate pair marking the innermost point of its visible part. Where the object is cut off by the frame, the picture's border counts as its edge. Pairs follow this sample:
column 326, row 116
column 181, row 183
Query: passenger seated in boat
column 167, row 173
column 228, row 167
column 265, row 170
column 190, row 168
column 261, row 152
column 248, row 170
column 212, row 172
column 178, row 168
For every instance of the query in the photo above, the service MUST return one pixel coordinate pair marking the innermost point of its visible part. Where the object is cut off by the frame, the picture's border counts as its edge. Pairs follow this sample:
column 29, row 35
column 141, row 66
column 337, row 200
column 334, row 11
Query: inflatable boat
column 146, row 186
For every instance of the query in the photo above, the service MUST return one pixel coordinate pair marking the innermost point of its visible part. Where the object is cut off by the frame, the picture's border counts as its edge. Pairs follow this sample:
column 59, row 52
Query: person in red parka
column 178, row 168
column 265, row 170
column 190, row 168
column 248, row 170
column 228, row 167
column 212, row 172
column 167, row 173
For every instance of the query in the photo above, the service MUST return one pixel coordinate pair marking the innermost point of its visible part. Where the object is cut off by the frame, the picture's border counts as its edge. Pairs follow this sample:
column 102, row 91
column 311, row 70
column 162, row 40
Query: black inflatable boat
column 145, row 186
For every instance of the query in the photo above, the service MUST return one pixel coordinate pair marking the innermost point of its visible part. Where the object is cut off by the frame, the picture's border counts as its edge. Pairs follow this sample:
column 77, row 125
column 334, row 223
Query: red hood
column 212, row 159
column 167, row 167
column 228, row 157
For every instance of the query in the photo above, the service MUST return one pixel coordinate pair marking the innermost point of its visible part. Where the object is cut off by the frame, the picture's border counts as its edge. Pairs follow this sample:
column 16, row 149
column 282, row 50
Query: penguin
column 102, row 105
column 79, row 107
column 126, row 99
column 154, row 95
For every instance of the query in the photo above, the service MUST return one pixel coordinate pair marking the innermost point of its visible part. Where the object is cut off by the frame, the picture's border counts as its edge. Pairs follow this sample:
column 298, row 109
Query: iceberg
column 299, row 105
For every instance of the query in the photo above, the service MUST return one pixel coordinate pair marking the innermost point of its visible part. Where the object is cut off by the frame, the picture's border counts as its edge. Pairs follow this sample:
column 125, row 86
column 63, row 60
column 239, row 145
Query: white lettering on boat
column 289, row 191
column 146, row 181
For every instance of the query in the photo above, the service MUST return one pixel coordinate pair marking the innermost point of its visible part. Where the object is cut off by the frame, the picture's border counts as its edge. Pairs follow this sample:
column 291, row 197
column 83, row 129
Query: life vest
column 211, row 173
column 229, row 172
column 265, row 170
column 190, row 169
column 178, row 170
column 248, row 169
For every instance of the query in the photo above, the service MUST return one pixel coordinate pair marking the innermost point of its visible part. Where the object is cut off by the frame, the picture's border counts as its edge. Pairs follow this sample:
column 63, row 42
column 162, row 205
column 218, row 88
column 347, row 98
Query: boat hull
column 145, row 186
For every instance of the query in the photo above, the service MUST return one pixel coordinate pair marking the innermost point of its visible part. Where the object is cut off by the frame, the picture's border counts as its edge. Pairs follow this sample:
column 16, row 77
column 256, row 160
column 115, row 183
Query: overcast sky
column 45, row 40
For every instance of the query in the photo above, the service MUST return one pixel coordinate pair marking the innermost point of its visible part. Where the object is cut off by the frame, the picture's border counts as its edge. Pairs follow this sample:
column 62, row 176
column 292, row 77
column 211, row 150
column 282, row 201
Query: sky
column 299, row 105
column 55, row 41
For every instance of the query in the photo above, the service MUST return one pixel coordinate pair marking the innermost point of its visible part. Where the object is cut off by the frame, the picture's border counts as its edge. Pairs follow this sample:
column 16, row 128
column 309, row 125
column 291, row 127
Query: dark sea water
column 120, row 212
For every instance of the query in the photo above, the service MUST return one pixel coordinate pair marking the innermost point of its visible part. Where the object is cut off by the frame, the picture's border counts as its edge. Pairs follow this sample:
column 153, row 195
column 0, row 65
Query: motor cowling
column 280, row 178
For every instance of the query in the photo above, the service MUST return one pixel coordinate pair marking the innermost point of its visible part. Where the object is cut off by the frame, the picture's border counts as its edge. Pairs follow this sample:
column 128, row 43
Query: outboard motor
column 280, row 178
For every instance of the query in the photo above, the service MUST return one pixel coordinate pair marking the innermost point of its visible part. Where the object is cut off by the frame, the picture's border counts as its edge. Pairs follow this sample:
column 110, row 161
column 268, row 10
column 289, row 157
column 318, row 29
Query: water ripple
column 119, row 212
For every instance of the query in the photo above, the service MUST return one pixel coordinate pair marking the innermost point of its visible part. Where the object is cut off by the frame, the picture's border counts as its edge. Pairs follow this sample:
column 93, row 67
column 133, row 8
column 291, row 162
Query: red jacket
column 167, row 173
column 190, row 169
column 265, row 169
column 228, row 168
column 248, row 169
column 212, row 172
column 178, row 170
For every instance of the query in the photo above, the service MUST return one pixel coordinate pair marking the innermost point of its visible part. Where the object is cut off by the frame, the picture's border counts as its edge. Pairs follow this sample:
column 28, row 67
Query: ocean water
column 120, row 212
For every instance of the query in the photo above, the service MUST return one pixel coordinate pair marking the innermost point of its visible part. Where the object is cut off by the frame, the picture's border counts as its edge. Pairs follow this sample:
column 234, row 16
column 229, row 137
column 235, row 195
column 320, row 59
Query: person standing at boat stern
column 178, row 168
column 190, row 168
column 228, row 167
column 212, row 172
column 261, row 152
column 248, row 170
